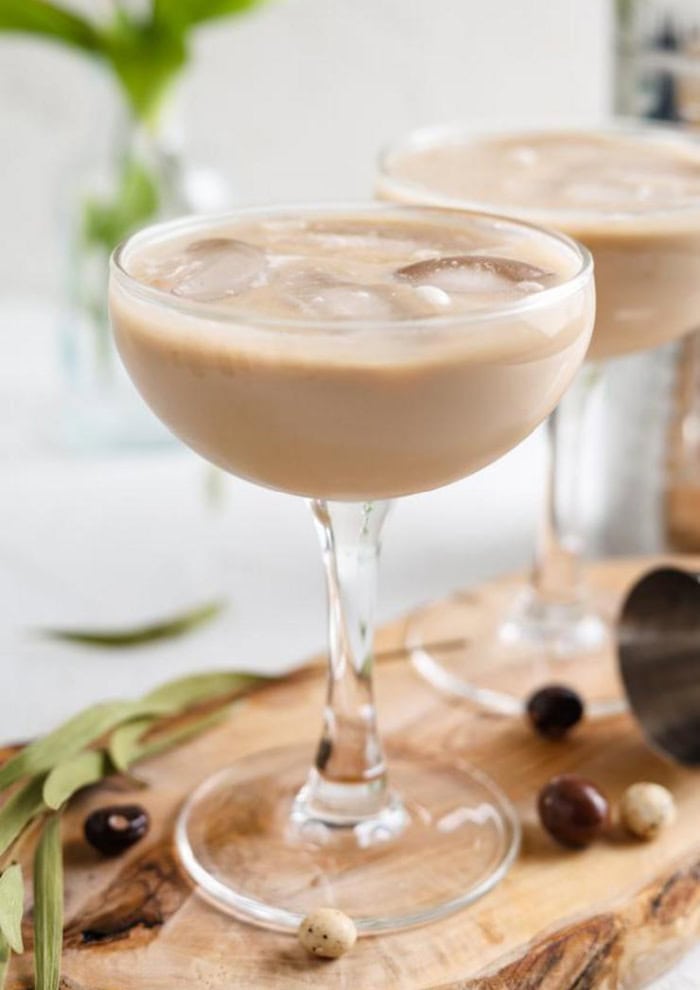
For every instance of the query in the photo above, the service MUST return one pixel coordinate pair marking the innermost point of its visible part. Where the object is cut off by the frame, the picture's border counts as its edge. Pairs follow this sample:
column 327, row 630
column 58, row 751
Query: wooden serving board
column 612, row 916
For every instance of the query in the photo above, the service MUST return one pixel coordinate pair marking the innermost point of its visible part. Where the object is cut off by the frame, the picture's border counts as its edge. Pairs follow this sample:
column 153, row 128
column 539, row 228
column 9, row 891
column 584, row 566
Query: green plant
column 144, row 46
column 144, row 50
column 38, row 782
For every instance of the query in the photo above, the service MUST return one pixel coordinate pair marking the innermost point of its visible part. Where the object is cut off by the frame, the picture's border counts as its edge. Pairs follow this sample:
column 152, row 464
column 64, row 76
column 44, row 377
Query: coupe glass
column 358, row 411
column 648, row 293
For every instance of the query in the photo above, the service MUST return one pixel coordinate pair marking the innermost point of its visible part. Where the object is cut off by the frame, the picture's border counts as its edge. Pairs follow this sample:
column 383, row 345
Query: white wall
column 294, row 100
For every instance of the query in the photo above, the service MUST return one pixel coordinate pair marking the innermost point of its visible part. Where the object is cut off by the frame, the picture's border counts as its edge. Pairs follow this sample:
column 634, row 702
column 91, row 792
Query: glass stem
column 348, row 782
column 557, row 575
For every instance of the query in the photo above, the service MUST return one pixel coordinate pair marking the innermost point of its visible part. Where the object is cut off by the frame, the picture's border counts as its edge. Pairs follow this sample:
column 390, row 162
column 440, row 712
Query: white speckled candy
column 646, row 808
column 327, row 933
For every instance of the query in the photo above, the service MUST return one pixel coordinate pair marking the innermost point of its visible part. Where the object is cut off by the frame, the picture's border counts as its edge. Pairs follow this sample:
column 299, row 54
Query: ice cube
column 626, row 184
column 436, row 298
column 474, row 273
column 607, row 191
column 425, row 254
column 366, row 240
column 210, row 245
column 403, row 238
column 352, row 302
column 530, row 286
column 299, row 279
column 524, row 154
column 325, row 292
column 217, row 267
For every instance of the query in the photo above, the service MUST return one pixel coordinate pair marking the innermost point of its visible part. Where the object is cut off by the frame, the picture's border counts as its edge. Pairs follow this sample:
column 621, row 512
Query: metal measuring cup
column 658, row 649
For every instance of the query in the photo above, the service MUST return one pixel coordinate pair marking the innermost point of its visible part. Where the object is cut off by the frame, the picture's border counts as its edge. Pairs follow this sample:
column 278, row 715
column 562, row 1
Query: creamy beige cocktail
column 632, row 196
column 351, row 355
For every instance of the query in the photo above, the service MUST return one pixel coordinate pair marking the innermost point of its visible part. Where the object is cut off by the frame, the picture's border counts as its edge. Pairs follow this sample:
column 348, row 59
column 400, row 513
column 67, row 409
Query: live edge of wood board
column 612, row 916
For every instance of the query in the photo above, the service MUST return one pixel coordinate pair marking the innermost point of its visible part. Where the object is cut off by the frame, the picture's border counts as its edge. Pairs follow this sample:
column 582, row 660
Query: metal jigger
column 659, row 659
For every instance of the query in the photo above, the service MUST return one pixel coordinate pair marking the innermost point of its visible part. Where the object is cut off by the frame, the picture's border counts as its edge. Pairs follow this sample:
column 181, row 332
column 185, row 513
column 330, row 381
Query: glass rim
column 228, row 314
column 460, row 132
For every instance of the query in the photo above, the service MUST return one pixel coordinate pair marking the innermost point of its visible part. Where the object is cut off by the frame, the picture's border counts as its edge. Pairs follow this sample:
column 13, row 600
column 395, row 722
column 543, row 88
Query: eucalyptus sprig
column 11, row 910
column 39, row 781
column 48, row 906
column 11, row 906
column 140, row 635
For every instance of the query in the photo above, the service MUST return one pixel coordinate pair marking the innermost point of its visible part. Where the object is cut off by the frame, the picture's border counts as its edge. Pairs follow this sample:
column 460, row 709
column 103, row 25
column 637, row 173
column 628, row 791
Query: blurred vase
column 135, row 177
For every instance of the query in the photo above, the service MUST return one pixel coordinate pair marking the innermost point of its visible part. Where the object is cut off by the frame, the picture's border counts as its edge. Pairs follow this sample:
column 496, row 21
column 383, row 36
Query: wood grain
column 612, row 916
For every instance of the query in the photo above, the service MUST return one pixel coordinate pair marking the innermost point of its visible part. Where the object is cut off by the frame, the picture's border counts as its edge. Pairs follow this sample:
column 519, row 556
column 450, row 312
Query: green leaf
column 128, row 749
column 108, row 221
column 124, row 742
column 48, row 907
column 178, row 15
column 73, row 774
column 12, row 906
column 172, row 737
column 142, row 634
column 144, row 53
column 87, row 726
column 146, row 57
column 19, row 810
column 47, row 20
column 4, row 960
column 75, row 734
column 197, row 689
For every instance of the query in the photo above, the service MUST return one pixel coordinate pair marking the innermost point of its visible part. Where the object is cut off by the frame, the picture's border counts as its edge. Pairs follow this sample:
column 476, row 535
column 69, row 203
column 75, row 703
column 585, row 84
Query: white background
column 290, row 103
column 294, row 100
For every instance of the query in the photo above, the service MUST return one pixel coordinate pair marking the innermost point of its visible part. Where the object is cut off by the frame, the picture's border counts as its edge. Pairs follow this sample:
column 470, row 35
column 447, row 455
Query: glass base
column 562, row 629
column 257, row 848
column 467, row 649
